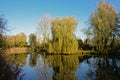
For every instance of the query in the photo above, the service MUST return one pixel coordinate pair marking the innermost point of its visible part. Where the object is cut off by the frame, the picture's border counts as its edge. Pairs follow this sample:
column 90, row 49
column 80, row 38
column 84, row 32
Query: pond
column 35, row 66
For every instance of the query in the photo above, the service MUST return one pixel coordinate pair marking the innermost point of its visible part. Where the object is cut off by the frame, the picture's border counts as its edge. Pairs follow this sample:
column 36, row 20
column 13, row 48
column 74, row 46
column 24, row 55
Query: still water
column 64, row 67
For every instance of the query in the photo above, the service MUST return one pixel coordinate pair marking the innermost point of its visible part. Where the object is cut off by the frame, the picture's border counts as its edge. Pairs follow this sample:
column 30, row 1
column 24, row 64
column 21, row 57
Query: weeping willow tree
column 63, row 40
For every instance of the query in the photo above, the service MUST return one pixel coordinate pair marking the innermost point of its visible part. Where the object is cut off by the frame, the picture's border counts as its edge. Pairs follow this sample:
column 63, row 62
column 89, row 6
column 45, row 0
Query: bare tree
column 44, row 28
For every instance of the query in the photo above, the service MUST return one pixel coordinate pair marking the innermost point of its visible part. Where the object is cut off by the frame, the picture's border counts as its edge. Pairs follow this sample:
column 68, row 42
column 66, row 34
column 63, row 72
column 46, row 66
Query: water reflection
column 10, row 66
column 35, row 66
column 28, row 72
column 33, row 59
column 50, row 67
column 99, row 68
column 64, row 66
column 43, row 70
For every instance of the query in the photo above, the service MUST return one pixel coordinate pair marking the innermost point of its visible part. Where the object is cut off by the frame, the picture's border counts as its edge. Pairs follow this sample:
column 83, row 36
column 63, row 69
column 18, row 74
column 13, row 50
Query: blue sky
column 23, row 15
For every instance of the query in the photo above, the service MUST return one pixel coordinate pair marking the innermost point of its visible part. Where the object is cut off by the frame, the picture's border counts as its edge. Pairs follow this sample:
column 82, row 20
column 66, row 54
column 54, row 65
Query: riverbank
column 16, row 50
column 98, row 52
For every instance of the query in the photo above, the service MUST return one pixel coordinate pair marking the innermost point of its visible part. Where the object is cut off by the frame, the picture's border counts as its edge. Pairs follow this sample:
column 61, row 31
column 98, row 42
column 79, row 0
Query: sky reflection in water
column 68, row 67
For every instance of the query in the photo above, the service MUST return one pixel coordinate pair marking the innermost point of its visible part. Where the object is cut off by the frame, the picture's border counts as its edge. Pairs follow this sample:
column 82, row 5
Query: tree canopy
column 103, row 23
column 32, row 40
column 18, row 40
column 64, row 40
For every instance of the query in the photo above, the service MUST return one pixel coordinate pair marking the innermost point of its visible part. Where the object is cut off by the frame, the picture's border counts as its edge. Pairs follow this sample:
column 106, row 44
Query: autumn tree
column 103, row 24
column 32, row 41
column 20, row 40
column 10, row 41
column 64, row 40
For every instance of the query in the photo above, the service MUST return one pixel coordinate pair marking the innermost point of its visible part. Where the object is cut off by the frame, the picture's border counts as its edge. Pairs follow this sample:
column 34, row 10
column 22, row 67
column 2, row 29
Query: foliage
column 103, row 25
column 1, row 41
column 9, row 41
column 80, row 44
column 33, row 41
column 18, row 40
column 6, row 72
column 63, row 40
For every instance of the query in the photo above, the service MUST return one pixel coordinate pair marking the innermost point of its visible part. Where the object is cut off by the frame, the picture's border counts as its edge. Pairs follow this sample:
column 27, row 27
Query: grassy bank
column 16, row 50
column 86, row 51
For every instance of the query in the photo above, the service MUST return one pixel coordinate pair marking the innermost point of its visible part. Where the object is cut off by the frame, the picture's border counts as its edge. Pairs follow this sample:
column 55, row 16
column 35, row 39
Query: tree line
column 104, row 28
column 18, row 40
column 56, row 35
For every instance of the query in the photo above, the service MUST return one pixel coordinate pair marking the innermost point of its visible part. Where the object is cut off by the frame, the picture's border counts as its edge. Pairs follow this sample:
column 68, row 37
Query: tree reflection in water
column 64, row 66
column 58, row 67
column 108, row 69
column 10, row 66
column 42, row 68
column 33, row 59
column 101, row 68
